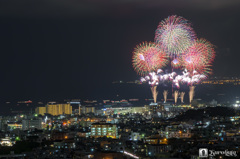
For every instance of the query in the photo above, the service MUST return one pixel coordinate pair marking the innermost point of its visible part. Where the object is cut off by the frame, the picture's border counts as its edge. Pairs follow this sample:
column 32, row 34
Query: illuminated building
column 156, row 140
column 58, row 109
column 57, row 135
column 40, row 110
column 64, row 144
column 154, row 108
column 82, row 110
column 87, row 109
column 84, row 134
column 124, row 110
column 31, row 124
column 174, row 132
column 14, row 125
column 6, row 142
column 90, row 109
column 135, row 136
column 157, row 150
column 104, row 129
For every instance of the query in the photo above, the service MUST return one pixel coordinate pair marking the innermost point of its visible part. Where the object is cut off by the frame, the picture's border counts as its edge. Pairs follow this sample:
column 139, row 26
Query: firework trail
column 182, row 96
column 153, row 81
column 154, row 93
column 191, row 93
column 175, row 95
column 190, row 80
column 165, row 93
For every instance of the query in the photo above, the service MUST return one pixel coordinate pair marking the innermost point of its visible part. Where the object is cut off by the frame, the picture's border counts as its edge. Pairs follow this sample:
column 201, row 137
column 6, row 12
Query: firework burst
column 174, row 34
column 148, row 57
column 199, row 57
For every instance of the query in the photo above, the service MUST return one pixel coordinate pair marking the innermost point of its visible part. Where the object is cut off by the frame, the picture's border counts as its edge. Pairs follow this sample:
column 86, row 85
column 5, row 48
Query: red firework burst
column 148, row 57
column 199, row 56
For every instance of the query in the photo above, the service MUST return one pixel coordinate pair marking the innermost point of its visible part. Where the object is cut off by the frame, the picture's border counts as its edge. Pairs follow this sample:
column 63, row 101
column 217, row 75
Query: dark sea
column 203, row 93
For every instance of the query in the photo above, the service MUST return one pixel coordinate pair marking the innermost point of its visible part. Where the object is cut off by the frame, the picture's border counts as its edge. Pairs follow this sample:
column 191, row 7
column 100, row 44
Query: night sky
column 54, row 49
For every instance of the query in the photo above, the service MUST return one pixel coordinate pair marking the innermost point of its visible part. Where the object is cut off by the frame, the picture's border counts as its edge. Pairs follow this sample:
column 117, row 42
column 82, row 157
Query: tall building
column 82, row 110
column 31, row 124
column 90, row 109
column 40, row 110
column 3, row 124
column 86, row 109
column 102, row 129
column 58, row 109
column 154, row 108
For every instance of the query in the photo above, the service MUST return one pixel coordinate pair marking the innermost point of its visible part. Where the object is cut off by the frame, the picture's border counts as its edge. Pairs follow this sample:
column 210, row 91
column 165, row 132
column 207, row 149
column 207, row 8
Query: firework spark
column 196, row 78
column 154, row 79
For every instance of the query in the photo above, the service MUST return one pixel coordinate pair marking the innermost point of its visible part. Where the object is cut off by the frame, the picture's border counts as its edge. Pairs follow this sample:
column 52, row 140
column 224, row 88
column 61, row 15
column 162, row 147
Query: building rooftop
column 102, row 123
